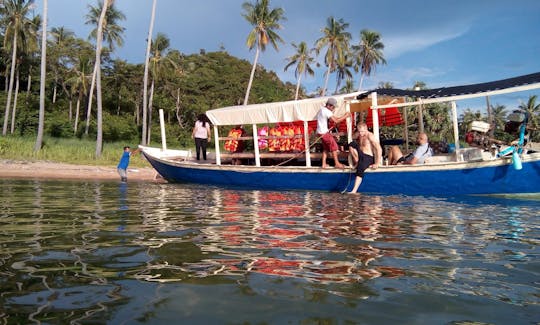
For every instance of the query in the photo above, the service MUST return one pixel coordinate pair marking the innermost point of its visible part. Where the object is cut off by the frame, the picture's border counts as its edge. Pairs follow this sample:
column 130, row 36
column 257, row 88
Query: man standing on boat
column 366, row 153
column 329, row 142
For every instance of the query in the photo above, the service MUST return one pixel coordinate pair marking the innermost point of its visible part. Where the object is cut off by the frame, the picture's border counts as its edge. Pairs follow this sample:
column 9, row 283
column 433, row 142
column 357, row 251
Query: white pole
column 307, row 145
column 256, row 146
column 455, row 123
column 216, row 144
column 162, row 126
column 375, row 115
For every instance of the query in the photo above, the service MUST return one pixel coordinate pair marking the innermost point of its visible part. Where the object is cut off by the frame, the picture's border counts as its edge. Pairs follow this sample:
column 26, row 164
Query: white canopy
column 300, row 110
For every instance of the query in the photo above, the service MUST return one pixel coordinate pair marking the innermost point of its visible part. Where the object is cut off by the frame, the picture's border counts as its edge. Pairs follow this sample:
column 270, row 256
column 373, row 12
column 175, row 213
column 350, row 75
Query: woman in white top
column 201, row 134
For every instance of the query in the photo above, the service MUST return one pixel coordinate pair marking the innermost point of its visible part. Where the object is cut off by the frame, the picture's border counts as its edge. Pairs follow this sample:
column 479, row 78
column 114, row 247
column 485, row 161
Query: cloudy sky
column 442, row 43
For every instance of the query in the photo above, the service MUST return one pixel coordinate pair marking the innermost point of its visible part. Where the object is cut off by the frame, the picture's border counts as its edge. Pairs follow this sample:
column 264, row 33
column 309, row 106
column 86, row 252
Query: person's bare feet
column 340, row 166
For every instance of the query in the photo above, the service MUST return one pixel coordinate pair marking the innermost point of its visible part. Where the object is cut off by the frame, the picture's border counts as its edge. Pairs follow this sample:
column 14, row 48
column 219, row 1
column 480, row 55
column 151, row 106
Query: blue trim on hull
column 448, row 182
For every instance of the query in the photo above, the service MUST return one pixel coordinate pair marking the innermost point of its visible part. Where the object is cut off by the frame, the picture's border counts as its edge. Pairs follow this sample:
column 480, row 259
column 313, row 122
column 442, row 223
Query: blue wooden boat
column 515, row 169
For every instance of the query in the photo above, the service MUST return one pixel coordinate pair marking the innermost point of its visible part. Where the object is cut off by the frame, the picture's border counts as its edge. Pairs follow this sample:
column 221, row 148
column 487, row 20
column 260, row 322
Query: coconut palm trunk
column 11, row 80
column 99, row 41
column 252, row 75
column 145, row 79
column 42, row 81
column 14, row 112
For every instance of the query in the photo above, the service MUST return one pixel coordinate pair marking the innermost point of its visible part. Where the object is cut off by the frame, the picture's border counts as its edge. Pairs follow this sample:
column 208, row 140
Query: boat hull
column 452, row 178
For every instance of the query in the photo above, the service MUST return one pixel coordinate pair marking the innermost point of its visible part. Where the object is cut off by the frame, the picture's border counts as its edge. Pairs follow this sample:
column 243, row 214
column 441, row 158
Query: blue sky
column 442, row 43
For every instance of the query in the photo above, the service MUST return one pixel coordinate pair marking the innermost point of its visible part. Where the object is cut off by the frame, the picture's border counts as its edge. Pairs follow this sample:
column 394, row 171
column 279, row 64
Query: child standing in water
column 124, row 162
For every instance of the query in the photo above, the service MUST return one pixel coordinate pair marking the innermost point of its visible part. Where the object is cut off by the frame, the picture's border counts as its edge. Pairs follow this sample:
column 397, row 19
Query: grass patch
column 71, row 151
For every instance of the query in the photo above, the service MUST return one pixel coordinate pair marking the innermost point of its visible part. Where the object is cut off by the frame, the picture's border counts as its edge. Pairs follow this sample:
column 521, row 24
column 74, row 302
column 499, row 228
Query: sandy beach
column 53, row 170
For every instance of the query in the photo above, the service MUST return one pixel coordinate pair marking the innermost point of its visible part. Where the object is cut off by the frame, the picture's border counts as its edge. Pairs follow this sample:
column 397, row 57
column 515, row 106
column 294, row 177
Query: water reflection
column 82, row 250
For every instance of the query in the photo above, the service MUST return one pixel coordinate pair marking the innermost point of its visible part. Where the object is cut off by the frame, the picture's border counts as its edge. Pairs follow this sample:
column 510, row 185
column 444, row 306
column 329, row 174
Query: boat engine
column 477, row 135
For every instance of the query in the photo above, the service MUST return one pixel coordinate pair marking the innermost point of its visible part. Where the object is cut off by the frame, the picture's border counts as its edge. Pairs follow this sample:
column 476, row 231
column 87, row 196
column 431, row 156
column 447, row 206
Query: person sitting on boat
column 367, row 152
column 329, row 142
column 395, row 156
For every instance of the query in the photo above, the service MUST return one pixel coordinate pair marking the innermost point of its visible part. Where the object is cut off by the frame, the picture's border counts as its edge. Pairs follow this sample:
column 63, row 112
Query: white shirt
column 322, row 120
column 201, row 132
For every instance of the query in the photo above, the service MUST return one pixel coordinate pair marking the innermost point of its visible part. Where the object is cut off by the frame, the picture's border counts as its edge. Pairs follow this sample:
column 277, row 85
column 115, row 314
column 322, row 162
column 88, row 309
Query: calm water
column 103, row 252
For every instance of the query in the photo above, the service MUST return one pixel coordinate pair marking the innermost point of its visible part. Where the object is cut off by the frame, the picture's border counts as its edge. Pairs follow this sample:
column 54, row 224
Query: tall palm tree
column 97, row 70
column 343, row 70
column 79, row 81
column 146, row 67
column 369, row 53
column 498, row 115
column 27, row 50
column 159, row 64
column 111, row 33
column 42, row 81
column 61, row 37
column 264, row 21
column 303, row 60
column 14, row 15
column 533, row 111
column 336, row 40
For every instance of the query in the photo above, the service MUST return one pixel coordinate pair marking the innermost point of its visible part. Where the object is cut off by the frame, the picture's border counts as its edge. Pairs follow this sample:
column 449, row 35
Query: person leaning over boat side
column 367, row 152
column 395, row 156
column 124, row 162
column 201, row 135
column 329, row 142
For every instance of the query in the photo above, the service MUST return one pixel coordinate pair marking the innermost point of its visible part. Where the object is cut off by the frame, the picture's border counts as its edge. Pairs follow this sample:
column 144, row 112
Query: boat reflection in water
column 319, row 240
column 164, row 253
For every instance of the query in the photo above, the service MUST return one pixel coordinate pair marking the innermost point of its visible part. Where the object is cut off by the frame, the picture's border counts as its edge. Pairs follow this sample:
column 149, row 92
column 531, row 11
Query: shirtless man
column 367, row 152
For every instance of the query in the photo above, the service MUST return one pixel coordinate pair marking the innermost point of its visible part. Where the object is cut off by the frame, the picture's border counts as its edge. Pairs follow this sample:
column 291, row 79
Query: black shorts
column 364, row 161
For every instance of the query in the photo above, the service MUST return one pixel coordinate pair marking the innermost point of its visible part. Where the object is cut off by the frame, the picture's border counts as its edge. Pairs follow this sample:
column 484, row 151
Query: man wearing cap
column 329, row 142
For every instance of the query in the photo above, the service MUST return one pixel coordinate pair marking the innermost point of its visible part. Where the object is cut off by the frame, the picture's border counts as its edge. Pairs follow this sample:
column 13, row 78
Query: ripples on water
column 103, row 252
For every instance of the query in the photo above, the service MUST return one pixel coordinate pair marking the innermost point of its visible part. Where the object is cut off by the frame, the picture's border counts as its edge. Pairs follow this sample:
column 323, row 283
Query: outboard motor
column 477, row 135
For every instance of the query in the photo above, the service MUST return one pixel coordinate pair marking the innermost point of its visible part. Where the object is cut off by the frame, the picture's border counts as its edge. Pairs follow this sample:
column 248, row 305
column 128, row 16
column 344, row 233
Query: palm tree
column 14, row 14
column 159, row 63
column 498, row 115
column 343, row 71
column 336, row 39
column 97, row 70
column 264, row 22
column 368, row 53
column 145, row 80
column 533, row 111
column 61, row 38
column 79, row 82
column 111, row 33
column 303, row 60
column 42, row 81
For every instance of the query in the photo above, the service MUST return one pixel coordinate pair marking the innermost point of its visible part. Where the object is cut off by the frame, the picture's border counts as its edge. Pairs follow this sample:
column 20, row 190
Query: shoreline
column 52, row 170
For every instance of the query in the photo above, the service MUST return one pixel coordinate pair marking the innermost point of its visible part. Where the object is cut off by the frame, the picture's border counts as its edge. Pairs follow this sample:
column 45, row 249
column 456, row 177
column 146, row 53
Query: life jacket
column 232, row 145
column 298, row 139
column 274, row 144
column 263, row 132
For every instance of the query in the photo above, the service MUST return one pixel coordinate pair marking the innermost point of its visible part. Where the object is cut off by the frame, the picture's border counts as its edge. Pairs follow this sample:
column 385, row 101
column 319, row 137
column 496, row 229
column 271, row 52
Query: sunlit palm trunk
column 42, row 81
column 77, row 109
column 326, row 80
column 14, row 113
column 150, row 105
column 90, row 97
column 99, row 39
column 298, row 86
column 11, row 79
column 252, row 75
column 145, row 80
column 361, row 82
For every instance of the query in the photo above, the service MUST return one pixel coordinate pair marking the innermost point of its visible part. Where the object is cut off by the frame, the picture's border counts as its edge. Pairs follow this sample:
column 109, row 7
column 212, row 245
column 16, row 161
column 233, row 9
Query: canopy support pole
column 256, row 146
column 455, row 125
column 375, row 115
column 307, row 145
column 216, row 143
